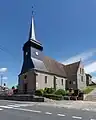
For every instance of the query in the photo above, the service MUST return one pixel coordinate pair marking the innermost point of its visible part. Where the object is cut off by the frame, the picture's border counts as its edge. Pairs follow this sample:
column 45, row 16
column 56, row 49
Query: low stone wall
column 22, row 98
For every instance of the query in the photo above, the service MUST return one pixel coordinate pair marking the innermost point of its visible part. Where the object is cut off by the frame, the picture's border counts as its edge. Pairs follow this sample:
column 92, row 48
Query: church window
column 82, row 78
column 45, row 79
column 74, row 82
column 62, row 81
column 80, row 70
column 69, row 82
column 25, row 76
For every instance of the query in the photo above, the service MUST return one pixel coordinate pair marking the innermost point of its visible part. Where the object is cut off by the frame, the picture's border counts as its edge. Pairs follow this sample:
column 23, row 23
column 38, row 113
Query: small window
column 45, row 79
column 82, row 78
column 80, row 71
column 69, row 82
column 74, row 82
column 25, row 76
column 62, row 81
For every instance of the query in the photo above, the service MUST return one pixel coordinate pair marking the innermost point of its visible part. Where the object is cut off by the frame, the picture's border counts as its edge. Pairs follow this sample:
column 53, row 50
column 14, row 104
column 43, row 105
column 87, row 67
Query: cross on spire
column 32, row 35
column 32, row 11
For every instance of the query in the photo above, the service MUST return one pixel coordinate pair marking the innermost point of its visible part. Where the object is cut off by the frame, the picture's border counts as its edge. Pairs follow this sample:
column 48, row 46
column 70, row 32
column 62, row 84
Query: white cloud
column 90, row 65
column 83, row 56
column 91, row 68
column 3, row 69
column 94, row 79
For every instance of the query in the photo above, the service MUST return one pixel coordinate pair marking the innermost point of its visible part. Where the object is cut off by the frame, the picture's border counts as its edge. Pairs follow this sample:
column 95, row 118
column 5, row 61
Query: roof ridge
column 73, row 63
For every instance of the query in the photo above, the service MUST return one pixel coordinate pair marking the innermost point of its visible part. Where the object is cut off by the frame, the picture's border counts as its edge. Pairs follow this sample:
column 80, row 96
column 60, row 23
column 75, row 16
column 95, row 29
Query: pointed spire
column 32, row 35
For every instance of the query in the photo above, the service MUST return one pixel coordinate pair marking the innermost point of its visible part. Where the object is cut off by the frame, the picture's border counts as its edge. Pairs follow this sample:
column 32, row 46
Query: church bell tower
column 32, row 52
column 32, row 60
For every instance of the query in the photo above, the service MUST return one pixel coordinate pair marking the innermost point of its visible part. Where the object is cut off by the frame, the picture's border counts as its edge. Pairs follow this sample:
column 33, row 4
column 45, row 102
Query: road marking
column 92, row 119
column 86, row 109
column 20, row 105
column 1, row 109
column 48, row 113
column 11, row 101
column 61, row 115
column 13, row 106
column 75, row 117
column 6, row 107
column 27, row 110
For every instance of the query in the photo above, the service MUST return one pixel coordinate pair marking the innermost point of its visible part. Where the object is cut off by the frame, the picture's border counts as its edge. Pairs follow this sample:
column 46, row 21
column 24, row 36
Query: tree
column 13, row 87
column 17, row 86
column 4, row 84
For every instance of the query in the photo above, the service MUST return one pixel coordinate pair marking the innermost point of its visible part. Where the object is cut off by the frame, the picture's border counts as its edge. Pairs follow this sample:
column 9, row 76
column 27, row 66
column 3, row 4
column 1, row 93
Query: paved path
column 93, row 92
column 10, row 110
column 91, row 96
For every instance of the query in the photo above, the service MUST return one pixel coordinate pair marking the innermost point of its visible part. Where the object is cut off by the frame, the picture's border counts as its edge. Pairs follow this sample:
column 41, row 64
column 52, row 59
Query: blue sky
column 66, row 28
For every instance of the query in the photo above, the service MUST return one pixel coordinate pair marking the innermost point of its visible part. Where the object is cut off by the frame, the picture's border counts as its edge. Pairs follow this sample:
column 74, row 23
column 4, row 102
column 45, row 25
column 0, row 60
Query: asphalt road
column 10, row 110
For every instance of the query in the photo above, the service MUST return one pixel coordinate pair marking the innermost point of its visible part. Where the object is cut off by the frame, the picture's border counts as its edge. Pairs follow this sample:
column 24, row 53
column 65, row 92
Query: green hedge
column 49, row 90
column 53, row 96
column 60, row 92
column 39, row 92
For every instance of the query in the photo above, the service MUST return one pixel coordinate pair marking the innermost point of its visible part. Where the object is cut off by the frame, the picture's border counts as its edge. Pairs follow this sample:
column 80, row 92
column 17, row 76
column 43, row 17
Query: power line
column 6, row 51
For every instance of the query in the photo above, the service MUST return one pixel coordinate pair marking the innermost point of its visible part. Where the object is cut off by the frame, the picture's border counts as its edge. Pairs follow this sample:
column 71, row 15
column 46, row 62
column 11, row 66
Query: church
column 39, row 71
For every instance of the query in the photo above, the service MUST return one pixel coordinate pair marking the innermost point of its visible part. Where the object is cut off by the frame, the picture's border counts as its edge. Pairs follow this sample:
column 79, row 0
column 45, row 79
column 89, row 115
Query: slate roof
column 54, row 67
column 88, row 75
column 60, row 69
column 71, row 69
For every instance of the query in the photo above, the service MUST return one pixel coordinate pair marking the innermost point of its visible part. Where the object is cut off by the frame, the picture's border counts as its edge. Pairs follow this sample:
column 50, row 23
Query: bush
column 53, row 96
column 67, row 93
column 49, row 90
column 60, row 92
column 39, row 92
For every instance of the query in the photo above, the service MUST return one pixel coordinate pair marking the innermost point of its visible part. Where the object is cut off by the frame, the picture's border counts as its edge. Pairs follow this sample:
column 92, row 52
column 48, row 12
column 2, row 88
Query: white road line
column 1, row 109
column 48, row 113
column 20, row 105
column 11, row 101
column 61, row 115
column 92, row 119
column 75, row 117
column 86, row 109
column 6, row 107
column 27, row 110
column 13, row 106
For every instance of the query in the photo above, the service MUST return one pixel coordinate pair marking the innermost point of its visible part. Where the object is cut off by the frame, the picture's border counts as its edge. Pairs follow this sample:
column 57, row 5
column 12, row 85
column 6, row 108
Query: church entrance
column 25, row 88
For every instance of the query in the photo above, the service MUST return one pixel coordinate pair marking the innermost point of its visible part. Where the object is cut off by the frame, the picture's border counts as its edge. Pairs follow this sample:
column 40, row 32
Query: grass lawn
column 88, row 89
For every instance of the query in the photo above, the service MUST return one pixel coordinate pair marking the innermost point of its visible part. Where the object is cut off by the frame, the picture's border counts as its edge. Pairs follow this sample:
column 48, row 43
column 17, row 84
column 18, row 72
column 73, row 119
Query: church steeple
column 32, row 51
column 32, row 34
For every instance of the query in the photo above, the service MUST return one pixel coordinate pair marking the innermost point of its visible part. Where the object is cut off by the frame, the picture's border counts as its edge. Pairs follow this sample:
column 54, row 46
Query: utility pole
column 1, row 79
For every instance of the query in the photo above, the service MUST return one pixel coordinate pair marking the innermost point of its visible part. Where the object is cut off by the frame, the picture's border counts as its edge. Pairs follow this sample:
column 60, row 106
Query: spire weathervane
column 32, row 11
